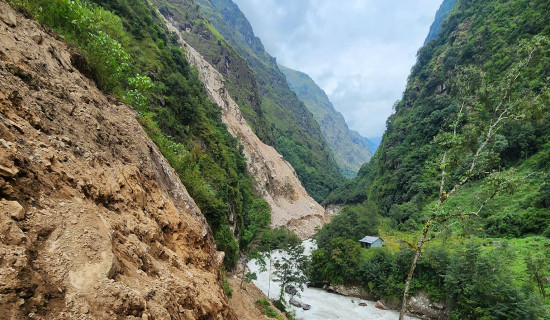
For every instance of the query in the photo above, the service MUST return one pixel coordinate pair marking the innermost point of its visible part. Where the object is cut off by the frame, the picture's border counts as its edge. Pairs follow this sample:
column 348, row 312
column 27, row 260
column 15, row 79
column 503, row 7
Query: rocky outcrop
column 94, row 223
column 276, row 180
column 350, row 291
column 421, row 305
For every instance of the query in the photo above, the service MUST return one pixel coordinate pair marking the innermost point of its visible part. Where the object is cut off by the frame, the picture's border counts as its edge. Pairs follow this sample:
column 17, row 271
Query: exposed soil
column 94, row 224
column 244, row 300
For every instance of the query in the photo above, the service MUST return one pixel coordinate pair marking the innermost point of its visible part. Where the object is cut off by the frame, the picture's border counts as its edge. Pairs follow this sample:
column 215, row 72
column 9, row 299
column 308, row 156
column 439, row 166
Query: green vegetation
column 349, row 148
column 275, row 113
column 267, row 309
column 478, row 278
column 131, row 54
column 226, row 286
column 490, row 57
column 476, row 34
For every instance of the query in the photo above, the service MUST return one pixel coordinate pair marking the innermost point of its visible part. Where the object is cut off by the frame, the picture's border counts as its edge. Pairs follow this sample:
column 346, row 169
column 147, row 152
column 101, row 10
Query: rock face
column 276, row 180
column 94, row 224
column 421, row 305
column 350, row 291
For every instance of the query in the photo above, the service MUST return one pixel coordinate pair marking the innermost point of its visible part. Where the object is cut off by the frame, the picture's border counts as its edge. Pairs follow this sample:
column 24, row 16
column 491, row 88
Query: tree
column 537, row 265
column 502, row 102
column 289, row 269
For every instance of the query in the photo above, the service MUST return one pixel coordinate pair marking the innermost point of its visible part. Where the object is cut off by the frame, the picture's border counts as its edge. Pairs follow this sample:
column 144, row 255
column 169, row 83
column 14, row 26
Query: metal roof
column 369, row 239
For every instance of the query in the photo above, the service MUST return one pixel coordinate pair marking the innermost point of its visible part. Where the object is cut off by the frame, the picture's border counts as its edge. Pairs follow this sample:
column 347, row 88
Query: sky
column 360, row 52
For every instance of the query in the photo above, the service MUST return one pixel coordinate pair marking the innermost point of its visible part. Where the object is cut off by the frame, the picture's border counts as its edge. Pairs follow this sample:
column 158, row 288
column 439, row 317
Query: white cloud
column 359, row 51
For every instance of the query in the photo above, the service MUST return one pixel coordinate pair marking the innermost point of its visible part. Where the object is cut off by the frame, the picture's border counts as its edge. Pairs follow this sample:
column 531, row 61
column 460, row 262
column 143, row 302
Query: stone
column 37, row 38
column 380, row 305
column 306, row 306
column 291, row 290
column 363, row 304
column 7, row 15
column 420, row 303
column 295, row 302
column 13, row 209
column 8, row 172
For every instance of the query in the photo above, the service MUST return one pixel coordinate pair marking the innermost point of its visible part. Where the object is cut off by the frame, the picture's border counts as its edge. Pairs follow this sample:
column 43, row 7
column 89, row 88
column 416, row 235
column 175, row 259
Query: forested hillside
column 481, row 42
column 463, row 162
column 350, row 149
column 217, row 29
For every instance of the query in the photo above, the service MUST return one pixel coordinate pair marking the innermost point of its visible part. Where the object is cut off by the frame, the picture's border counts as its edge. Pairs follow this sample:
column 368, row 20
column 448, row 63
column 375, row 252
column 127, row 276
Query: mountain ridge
column 350, row 149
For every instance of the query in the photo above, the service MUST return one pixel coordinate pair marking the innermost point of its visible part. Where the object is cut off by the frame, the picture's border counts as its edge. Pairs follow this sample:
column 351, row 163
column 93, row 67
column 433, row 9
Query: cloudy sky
column 359, row 51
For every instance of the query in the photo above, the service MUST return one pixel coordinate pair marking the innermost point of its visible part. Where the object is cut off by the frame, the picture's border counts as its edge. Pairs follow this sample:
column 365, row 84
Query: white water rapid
column 324, row 305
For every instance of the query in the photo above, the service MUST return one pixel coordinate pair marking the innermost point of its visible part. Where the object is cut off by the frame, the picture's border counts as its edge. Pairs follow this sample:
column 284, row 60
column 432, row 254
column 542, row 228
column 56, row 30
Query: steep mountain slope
column 477, row 61
column 349, row 148
column 276, row 181
column 95, row 224
column 373, row 143
column 289, row 126
column 440, row 16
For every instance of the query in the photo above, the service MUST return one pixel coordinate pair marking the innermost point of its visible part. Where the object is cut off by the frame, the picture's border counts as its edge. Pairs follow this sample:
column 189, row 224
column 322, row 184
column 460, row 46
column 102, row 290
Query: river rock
column 380, row 305
column 350, row 291
column 291, row 290
column 363, row 304
column 295, row 302
column 421, row 304
column 306, row 306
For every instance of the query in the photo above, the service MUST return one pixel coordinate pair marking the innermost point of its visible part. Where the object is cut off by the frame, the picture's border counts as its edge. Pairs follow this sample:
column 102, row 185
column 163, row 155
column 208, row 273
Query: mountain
column 373, row 143
column 477, row 60
column 349, row 148
column 440, row 16
column 220, row 32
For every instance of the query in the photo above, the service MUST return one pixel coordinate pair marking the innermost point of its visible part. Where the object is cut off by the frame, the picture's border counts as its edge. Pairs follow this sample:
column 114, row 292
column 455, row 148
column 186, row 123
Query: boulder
column 12, row 209
column 421, row 304
column 363, row 304
column 8, row 172
column 306, row 306
column 295, row 302
column 7, row 15
column 380, row 305
column 291, row 290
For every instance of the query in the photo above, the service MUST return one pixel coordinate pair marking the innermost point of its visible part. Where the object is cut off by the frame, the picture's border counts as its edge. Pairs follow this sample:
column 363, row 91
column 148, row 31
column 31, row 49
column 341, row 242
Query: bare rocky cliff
column 276, row 180
column 94, row 224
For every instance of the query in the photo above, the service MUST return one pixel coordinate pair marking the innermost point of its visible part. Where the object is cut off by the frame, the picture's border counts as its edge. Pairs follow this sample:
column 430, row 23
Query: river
column 324, row 305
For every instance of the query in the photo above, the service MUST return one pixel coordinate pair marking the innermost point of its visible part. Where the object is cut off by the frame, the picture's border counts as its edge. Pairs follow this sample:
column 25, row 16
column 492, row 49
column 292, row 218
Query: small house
column 371, row 242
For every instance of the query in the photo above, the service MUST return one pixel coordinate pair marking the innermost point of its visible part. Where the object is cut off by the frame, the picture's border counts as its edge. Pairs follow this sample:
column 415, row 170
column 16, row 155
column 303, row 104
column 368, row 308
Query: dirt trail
column 94, row 224
column 276, row 180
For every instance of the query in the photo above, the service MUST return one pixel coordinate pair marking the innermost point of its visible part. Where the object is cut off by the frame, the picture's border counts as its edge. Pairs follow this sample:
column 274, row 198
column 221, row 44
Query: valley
column 157, row 162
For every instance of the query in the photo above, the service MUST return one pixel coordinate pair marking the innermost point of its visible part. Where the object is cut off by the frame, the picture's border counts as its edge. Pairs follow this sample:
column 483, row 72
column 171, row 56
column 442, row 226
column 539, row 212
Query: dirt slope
column 276, row 180
column 94, row 224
